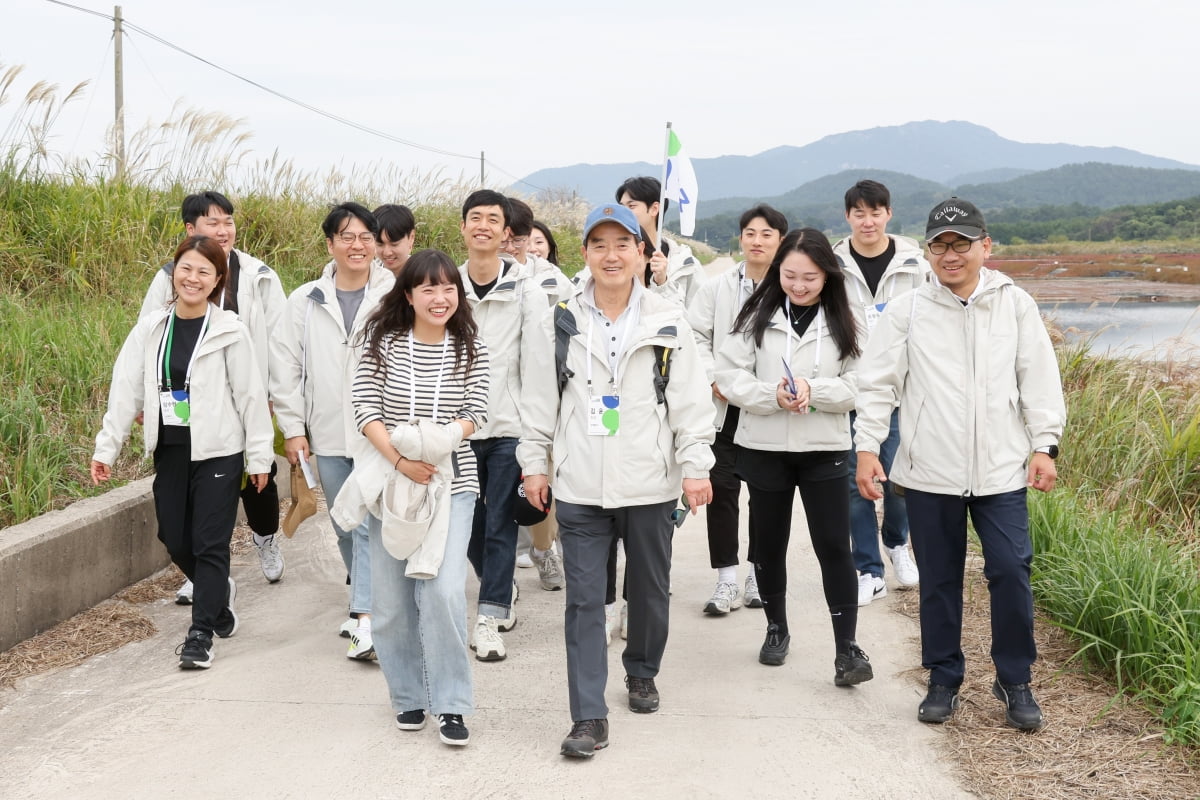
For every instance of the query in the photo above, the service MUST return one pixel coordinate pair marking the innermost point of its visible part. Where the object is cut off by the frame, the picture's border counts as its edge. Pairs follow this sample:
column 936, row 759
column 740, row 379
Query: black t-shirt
column 874, row 267
column 481, row 289
column 231, row 283
column 183, row 342
column 802, row 317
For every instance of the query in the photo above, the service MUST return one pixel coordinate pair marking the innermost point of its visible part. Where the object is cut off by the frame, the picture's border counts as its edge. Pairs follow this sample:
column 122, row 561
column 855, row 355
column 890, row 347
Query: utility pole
column 119, row 95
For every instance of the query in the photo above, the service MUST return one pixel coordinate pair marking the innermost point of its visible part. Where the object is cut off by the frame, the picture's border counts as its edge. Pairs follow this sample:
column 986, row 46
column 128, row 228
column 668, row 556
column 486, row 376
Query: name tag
column 872, row 313
column 604, row 415
column 176, row 408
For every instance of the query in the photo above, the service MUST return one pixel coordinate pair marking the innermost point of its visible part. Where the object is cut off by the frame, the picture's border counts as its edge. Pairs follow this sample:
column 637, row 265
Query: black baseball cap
column 526, row 513
column 955, row 216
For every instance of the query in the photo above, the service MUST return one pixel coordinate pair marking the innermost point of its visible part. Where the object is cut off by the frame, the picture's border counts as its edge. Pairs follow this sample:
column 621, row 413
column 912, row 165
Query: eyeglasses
column 516, row 241
column 348, row 238
column 958, row 246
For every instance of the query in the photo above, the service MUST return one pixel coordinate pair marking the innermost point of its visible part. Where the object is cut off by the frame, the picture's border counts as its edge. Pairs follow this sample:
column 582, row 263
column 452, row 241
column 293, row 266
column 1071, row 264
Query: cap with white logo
column 955, row 216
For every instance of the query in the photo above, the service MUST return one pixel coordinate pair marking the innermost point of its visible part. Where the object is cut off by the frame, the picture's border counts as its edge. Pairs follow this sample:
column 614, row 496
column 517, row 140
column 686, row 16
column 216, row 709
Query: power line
column 308, row 107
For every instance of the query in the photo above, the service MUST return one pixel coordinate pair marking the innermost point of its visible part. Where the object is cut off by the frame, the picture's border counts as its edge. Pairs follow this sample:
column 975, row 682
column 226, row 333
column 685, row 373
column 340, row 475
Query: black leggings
column 821, row 478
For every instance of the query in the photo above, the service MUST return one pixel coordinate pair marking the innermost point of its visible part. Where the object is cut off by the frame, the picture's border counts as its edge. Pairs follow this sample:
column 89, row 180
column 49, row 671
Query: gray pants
column 586, row 532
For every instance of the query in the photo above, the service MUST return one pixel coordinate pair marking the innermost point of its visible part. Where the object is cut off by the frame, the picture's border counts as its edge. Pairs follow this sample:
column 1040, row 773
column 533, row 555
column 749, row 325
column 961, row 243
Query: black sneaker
column 775, row 647
column 196, row 651
column 939, row 703
column 411, row 720
column 643, row 695
column 452, row 731
column 586, row 737
column 1020, row 709
column 852, row 667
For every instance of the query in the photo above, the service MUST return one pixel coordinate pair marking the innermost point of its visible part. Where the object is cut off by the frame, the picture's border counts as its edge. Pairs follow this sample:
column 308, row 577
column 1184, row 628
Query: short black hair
column 868, row 193
column 395, row 220
column 521, row 220
column 340, row 213
column 644, row 189
column 196, row 206
column 487, row 197
column 774, row 218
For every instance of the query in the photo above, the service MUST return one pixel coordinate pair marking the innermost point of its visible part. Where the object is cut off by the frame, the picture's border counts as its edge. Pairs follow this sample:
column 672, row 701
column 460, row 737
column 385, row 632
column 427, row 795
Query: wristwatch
column 1050, row 450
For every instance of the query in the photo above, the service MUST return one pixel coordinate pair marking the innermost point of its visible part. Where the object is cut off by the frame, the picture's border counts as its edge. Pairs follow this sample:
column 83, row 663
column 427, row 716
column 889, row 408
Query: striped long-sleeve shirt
column 404, row 389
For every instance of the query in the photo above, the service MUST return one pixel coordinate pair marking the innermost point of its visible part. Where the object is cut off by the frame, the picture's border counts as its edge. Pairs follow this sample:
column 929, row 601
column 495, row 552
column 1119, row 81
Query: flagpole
column 662, row 195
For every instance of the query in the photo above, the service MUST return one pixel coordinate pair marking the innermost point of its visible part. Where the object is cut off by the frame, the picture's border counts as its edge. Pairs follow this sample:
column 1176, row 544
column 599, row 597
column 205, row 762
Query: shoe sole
column 490, row 655
column 551, row 587
column 182, row 600
column 714, row 610
column 366, row 655
column 572, row 753
column 195, row 664
column 772, row 660
column 853, row 677
column 454, row 742
column 413, row 726
column 643, row 710
column 507, row 625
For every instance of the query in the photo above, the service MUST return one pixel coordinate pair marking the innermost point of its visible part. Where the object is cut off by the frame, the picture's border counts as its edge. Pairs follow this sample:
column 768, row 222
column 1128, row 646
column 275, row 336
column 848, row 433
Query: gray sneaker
column 586, row 737
column 752, row 597
column 269, row 557
column 550, row 570
column 726, row 597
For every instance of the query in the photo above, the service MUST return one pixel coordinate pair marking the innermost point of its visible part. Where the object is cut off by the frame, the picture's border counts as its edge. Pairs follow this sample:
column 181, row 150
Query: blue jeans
column 864, row 527
column 354, row 545
column 493, row 548
column 940, row 545
column 420, row 626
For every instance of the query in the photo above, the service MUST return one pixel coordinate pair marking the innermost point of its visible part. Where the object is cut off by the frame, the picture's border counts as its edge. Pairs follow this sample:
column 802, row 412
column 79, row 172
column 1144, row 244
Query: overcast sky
column 540, row 84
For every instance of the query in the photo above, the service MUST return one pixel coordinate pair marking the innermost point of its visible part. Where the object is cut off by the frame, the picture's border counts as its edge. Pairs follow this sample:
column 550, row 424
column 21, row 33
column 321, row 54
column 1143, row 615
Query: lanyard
column 629, row 323
column 437, row 387
column 164, row 351
column 791, row 331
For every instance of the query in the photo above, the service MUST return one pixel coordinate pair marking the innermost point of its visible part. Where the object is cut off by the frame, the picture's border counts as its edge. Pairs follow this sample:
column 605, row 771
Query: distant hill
column 1083, row 188
column 933, row 151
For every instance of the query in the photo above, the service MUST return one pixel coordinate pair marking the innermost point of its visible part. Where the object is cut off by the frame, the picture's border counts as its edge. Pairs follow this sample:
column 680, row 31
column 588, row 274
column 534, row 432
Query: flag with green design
column 681, row 185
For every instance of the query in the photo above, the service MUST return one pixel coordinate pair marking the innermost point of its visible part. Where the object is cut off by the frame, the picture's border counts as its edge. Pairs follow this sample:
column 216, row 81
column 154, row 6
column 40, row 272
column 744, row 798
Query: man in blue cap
column 626, row 412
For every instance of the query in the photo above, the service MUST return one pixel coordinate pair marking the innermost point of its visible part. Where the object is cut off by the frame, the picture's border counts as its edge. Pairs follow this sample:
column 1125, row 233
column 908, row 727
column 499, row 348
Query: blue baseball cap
column 612, row 212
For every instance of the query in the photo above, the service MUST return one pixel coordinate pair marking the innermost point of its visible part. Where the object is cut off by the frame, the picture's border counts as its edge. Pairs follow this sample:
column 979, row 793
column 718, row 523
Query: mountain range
column 945, row 153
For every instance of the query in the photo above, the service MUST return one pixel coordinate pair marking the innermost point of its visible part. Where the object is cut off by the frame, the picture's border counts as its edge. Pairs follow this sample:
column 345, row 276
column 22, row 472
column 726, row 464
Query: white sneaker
column 486, row 641
column 516, row 592
column 507, row 623
column 624, row 620
column 870, row 588
column 347, row 628
column 904, row 565
column 550, row 570
column 726, row 597
column 611, row 622
column 183, row 595
column 269, row 557
column 362, row 648
column 753, row 598
column 524, row 561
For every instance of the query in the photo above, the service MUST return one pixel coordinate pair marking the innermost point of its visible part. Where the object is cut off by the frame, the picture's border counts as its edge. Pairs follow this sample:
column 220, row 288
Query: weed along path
column 283, row 713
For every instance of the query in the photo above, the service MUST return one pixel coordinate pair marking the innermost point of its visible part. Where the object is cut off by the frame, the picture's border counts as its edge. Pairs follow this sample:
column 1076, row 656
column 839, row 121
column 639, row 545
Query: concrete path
column 283, row 714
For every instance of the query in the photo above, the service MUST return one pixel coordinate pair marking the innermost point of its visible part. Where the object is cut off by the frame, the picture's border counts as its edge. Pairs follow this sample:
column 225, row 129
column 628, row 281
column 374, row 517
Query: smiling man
column 970, row 362
column 878, row 267
column 627, row 415
column 254, row 293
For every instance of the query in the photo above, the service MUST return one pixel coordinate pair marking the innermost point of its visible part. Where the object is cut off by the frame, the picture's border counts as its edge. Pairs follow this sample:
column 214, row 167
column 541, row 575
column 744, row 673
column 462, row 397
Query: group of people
column 445, row 404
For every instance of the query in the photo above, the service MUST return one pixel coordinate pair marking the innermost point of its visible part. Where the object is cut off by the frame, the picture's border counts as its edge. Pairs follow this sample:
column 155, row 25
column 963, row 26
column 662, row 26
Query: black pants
column 262, row 508
column 773, row 478
column 196, row 506
column 723, row 512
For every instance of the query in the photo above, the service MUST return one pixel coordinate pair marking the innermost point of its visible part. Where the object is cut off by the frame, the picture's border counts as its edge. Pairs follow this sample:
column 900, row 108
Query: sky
column 543, row 84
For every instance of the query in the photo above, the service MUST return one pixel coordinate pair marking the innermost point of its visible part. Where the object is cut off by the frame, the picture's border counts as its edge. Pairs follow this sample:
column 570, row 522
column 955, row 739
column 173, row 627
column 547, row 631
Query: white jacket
column 908, row 270
column 229, row 403
column 711, row 314
column 978, row 387
column 506, row 316
column 260, row 304
column 312, row 338
column 749, row 375
column 684, row 274
column 657, row 444
column 552, row 280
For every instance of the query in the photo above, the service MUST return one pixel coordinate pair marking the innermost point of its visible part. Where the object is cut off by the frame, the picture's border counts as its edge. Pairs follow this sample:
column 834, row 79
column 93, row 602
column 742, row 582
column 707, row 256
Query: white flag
column 681, row 185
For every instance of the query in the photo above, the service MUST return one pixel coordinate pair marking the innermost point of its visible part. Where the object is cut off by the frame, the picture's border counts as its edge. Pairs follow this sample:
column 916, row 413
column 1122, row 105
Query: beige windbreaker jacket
column 260, row 304
column 978, row 387
column 657, row 444
column 229, row 403
column 315, row 359
column 509, row 314
column 711, row 315
column 749, row 375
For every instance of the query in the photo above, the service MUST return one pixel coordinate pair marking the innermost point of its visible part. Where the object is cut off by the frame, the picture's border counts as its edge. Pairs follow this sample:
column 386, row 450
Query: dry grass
column 1095, row 744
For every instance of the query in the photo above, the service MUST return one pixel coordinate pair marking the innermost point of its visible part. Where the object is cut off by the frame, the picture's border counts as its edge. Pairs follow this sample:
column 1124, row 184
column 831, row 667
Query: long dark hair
column 552, row 255
column 769, row 296
column 395, row 313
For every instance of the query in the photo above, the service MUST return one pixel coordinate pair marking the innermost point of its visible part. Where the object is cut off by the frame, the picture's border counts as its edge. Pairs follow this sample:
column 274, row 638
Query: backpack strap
column 564, row 329
column 662, row 365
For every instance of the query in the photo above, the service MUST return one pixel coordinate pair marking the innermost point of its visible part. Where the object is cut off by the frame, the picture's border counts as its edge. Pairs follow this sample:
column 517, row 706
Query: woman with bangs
column 791, row 371
column 190, row 369
column 423, row 361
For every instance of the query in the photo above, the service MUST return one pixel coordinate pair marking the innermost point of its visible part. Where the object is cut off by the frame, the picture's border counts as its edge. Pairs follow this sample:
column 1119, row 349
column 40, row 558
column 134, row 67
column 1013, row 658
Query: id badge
column 872, row 313
column 604, row 415
column 176, row 408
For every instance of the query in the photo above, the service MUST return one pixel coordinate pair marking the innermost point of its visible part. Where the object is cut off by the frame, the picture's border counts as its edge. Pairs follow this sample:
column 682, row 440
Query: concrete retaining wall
column 64, row 562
